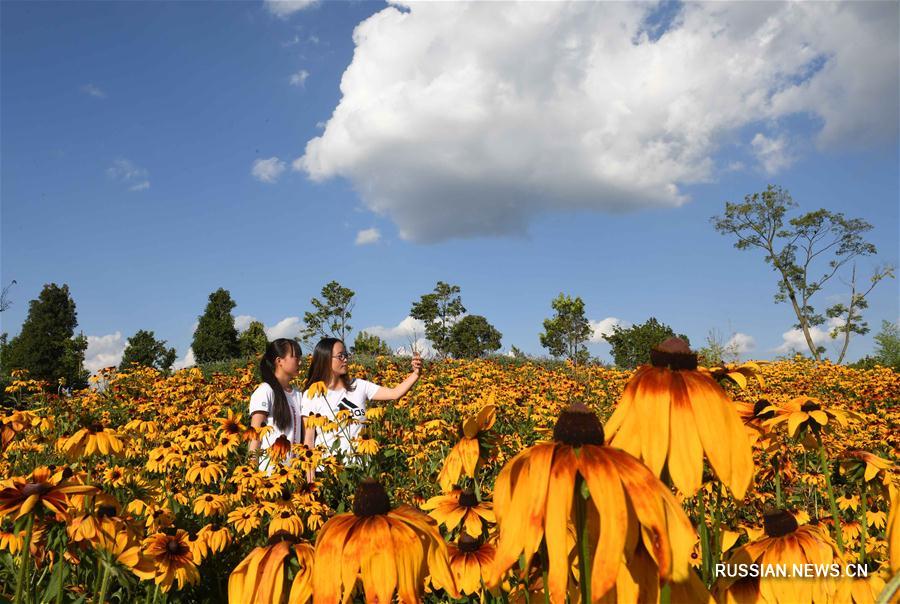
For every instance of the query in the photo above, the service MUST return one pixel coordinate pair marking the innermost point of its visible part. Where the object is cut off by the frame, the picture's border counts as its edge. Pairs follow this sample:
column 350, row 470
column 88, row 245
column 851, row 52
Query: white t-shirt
column 333, row 401
column 262, row 399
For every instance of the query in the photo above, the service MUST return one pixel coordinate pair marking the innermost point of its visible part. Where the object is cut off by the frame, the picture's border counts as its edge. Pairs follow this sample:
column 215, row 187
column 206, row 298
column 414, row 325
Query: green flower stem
column 864, row 524
column 26, row 560
column 584, row 554
column 63, row 572
column 887, row 594
column 779, row 503
column 823, row 460
column 717, row 528
column 705, row 554
column 104, row 586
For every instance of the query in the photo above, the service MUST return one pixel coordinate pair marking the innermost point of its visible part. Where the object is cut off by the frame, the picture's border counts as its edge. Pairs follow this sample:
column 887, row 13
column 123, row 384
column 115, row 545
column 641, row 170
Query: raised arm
column 392, row 394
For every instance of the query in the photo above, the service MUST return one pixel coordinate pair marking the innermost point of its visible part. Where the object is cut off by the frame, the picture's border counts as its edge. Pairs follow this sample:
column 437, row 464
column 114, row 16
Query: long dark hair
column 281, row 411
column 320, row 366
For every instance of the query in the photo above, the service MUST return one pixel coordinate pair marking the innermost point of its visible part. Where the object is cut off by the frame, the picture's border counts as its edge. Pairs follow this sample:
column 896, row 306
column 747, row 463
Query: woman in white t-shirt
column 276, row 403
column 329, row 365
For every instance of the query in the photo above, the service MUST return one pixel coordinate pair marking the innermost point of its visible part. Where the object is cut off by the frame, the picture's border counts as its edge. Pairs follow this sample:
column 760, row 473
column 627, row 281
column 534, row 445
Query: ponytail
column 281, row 411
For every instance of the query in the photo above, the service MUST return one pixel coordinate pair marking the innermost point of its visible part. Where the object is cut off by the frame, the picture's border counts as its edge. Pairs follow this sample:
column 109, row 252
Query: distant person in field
column 344, row 393
column 277, row 404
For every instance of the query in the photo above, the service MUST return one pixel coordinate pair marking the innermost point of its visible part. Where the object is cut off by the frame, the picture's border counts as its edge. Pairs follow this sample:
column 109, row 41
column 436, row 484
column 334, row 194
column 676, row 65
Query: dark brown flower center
column 758, row 409
column 36, row 488
column 105, row 511
column 467, row 499
column 468, row 543
column 96, row 427
column 673, row 353
column 282, row 535
column 577, row 426
column 176, row 548
column 371, row 499
column 779, row 523
column 810, row 406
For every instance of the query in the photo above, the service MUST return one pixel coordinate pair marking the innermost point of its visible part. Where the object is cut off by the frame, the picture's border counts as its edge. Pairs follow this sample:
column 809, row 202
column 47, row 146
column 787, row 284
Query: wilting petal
column 410, row 558
column 609, row 499
column 327, row 578
column 379, row 571
column 559, row 510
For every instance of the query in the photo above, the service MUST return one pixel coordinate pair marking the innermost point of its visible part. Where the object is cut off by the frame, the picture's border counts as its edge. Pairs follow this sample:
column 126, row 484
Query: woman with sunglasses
column 343, row 393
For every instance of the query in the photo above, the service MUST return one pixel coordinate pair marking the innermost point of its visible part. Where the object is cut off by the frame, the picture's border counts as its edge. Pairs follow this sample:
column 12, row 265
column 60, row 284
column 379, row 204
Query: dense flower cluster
column 491, row 481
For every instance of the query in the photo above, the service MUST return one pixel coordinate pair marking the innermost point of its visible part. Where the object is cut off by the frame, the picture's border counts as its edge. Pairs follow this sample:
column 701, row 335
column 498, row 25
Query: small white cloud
column 795, row 341
column 772, row 153
column 242, row 322
column 292, row 42
column 740, row 343
column 407, row 328
column 126, row 172
column 299, row 78
column 285, row 8
column 94, row 91
column 422, row 346
column 604, row 328
column 104, row 351
column 187, row 361
column 267, row 170
column 288, row 327
column 367, row 236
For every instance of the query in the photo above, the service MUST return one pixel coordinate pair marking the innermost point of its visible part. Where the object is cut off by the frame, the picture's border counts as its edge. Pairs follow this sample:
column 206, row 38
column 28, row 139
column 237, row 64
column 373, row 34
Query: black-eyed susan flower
column 260, row 576
column 393, row 549
column 804, row 413
column 210, row 504
column 316, row 389
column 738, row 373
column 366, row 445
column 862, row 466
column 374, row 413
column 231, row 425
column 286, row 521
column 217, row 537
column 784, row 543
column 172, row 559
column 21, row 495
column 671, row 415
column 245, row 519
column 466, row 456
column 12, row 541
column 470, row 561
column 537, row 490
column 125, row 549
column 92, row 438
column 461, row 507
column 205, row 472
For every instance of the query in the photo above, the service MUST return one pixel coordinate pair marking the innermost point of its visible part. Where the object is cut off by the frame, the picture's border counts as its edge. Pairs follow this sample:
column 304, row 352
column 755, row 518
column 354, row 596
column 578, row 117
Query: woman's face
column 289, row 363
column 338, row 360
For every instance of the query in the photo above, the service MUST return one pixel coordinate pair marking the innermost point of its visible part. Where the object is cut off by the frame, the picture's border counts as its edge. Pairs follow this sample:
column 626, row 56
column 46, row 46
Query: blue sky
column 153, row 152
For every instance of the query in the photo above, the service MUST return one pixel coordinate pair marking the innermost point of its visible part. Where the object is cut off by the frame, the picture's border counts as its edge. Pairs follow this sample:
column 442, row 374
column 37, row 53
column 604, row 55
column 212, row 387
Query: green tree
column 47, row 346
column 472, row 337
column 631, row 345
column 215, row 338
column 144, row 349
column 850, row 314
column 370, row 344
column 439, row 310
column 794, row 248
column 887, row 345
column 566, row 333
column 331, row 314
column 253, row 340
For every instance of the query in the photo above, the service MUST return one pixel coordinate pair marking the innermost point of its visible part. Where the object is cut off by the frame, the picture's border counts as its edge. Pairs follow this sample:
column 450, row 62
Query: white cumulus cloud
column 267, row 170
column 550, row 105
column 187, row 361
column 286, row 8
column 104, row 351
column 604, row 327
column 740, row 343
column 405, row 329
column 289, row 327
column 772, row 153
column 242, row 322
column 367, row 236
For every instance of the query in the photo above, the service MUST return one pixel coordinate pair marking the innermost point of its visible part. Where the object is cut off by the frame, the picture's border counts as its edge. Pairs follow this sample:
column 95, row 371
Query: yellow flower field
column 490, row 481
